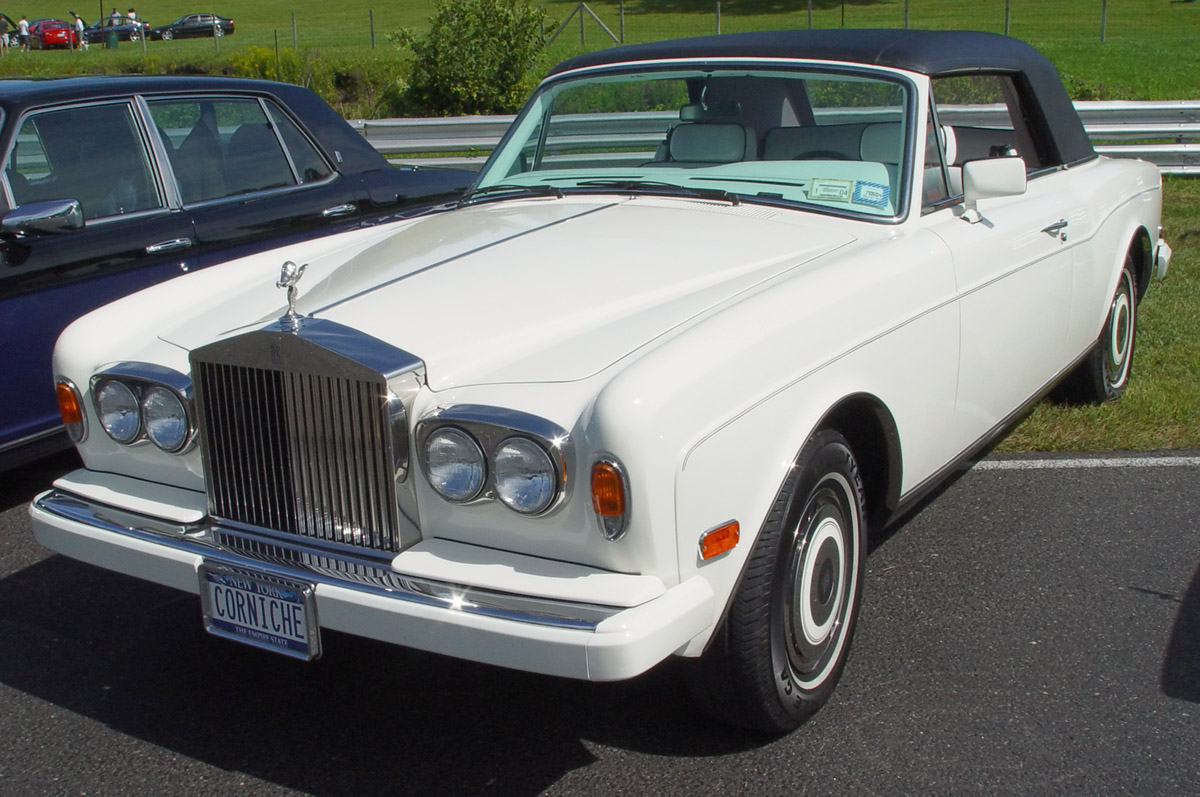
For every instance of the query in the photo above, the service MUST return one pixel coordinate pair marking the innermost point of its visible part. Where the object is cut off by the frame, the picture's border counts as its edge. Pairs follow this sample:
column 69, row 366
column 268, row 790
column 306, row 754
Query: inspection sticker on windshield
column 872, row 194
column 830, row 190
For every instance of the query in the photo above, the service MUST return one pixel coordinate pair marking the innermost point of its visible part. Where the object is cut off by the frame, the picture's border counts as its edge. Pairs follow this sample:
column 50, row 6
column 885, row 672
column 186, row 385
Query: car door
column 100, row 156
column 1012, row 262
column 249, row 176
column 197, row 25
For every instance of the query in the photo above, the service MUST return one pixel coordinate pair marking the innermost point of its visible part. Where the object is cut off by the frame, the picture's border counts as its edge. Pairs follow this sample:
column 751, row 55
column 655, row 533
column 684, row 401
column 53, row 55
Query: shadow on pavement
column 363, row 719
column 1181, row 667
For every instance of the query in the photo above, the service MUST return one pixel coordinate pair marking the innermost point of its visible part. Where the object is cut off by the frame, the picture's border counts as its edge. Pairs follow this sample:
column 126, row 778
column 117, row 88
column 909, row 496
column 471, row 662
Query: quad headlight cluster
column 470, row 452
column 136, row 402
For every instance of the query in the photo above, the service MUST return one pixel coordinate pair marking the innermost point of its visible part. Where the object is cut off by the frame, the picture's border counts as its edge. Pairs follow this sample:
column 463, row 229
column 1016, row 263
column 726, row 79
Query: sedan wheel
column 218, row 31
column 781, row 649
column 167, row 35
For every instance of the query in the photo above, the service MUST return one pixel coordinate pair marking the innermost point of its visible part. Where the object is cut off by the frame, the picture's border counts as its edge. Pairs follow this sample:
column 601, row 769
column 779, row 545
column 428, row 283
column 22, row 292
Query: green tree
column 475, row 59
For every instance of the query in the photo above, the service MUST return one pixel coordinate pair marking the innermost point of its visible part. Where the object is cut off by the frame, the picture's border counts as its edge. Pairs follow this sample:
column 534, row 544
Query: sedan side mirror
column 989, row 178
column 52, row 216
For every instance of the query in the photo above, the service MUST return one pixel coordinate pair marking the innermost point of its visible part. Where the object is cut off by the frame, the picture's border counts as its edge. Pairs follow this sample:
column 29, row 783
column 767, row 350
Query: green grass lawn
column 1150, row 52
column 1161, row 406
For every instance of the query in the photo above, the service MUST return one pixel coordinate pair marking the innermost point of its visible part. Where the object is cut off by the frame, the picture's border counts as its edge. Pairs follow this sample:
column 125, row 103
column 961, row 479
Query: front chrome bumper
column 590, row 640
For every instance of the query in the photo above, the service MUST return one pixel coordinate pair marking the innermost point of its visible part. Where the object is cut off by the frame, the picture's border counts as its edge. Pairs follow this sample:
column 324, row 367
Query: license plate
column 274, row 614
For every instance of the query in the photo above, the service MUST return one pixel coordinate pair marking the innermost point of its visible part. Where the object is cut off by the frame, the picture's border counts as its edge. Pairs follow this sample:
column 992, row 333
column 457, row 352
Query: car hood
column 540, row 290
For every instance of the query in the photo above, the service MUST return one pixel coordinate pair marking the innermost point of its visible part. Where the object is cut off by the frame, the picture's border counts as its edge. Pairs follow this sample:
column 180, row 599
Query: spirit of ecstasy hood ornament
column 289, row 275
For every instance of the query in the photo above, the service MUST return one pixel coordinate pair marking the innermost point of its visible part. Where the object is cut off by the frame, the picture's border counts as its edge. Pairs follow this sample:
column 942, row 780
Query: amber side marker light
column 71, row 409
column 715, row 542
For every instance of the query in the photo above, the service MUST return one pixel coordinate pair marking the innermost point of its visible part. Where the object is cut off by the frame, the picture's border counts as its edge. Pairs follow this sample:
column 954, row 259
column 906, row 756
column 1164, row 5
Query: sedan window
column 226, row 147
column 93, row 154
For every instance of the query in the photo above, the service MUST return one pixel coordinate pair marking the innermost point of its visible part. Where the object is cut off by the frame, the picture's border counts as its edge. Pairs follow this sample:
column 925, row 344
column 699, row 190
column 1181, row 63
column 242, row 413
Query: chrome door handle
column 1056, row 229
column 168, row 246
column 338, row 210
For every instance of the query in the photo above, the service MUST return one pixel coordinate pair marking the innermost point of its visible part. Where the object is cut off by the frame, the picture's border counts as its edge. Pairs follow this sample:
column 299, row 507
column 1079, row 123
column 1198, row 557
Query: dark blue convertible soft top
column 928, row 52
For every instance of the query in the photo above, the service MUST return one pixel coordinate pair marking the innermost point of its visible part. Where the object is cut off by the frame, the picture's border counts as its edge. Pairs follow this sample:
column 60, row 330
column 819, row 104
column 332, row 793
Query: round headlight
column 524, row 475
column 454, row 464
column 118, row 409
column 165, row 419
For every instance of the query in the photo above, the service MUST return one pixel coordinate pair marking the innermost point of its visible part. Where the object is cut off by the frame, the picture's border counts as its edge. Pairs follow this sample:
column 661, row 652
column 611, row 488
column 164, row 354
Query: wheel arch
column 1142, row 248
column 870, row 429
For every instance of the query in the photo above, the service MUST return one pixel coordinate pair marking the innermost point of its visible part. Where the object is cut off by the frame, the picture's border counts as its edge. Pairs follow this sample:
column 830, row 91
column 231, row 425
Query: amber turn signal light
column 610, row 499
column 71, row 409
column 719, row 540
column 608, row 489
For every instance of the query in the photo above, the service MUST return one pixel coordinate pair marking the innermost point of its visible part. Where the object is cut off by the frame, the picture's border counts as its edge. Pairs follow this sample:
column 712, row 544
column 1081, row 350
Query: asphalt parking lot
column 1036, row 628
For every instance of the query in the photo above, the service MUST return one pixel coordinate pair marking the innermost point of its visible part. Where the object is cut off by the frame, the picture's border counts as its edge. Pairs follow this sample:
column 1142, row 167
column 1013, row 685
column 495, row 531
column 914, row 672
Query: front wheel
column 167, row 35
column 1104, row 372
column 779, row 652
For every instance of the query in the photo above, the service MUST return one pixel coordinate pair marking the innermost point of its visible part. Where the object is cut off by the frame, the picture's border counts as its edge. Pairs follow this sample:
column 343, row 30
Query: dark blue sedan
column 112, row 184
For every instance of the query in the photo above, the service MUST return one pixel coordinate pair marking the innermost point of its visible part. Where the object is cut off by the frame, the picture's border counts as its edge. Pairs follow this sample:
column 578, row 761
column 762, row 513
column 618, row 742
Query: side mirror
column 990, row 178
column 52, row 216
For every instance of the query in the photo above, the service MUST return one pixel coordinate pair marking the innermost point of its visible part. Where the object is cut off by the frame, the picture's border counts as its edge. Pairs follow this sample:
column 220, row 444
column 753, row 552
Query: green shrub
column 475, row 59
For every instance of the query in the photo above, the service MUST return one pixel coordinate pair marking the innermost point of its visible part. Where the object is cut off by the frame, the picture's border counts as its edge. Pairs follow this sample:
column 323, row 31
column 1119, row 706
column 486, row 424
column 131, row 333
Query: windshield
column 835, row 140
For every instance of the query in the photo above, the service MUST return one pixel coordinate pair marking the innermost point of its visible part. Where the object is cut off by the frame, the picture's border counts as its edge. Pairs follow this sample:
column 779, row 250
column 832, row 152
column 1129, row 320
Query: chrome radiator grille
column 301, row 450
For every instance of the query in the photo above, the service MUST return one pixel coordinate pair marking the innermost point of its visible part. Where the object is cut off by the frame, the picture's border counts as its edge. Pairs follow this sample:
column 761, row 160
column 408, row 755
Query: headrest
column 882, row 142
column 704, row 111
column 711, row 143
column 949, row 144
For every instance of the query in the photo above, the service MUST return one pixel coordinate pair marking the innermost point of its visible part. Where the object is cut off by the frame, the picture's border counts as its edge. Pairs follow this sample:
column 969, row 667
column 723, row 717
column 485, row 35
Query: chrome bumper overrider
column 363, row 596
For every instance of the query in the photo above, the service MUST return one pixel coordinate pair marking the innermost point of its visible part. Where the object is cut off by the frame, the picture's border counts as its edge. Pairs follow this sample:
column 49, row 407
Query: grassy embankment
column 1149, row 53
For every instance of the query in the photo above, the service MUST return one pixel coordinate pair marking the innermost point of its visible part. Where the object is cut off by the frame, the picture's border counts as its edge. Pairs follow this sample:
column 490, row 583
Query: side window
column 942, row 176
column 94, row 154
column 982, row 116
column 221, row 147
column 310, row 166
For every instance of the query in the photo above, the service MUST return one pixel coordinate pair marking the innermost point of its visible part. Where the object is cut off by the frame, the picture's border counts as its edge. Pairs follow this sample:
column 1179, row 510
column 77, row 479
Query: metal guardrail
column 1166, row 133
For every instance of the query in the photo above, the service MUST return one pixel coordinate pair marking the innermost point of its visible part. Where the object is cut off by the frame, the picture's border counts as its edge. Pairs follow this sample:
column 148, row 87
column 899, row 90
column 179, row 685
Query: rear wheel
column 1104, row 373
column 780, row 650
column 218, row 31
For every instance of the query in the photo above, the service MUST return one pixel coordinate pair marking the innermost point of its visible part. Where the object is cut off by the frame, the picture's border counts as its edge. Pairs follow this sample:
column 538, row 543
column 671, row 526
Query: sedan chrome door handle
column 338, row 210
column 1056, row 229
column 168, row 246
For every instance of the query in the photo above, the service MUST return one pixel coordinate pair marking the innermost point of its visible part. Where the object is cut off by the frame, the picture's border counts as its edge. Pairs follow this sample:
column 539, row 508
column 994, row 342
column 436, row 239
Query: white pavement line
column 1108, row 462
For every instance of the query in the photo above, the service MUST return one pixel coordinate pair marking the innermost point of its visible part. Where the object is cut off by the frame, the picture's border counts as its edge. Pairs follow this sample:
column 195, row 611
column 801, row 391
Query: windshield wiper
column 504, row 190
column 667, row 189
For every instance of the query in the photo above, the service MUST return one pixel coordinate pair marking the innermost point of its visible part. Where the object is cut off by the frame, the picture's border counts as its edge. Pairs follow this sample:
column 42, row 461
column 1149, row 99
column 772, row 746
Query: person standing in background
column 23, row 33
column 83, row 42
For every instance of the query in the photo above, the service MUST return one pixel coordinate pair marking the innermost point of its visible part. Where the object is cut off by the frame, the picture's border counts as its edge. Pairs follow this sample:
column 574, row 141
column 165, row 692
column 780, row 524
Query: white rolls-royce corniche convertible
column 714, row 312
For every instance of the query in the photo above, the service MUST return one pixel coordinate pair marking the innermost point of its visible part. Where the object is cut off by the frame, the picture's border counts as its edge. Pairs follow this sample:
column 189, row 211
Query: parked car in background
column 52, row 34
column 115, row 183
column 193, row 25
column 715, row 312
column 125, row 29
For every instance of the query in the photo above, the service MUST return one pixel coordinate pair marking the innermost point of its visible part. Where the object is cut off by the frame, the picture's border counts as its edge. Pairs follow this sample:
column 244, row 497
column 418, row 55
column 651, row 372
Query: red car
column 47, row 33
